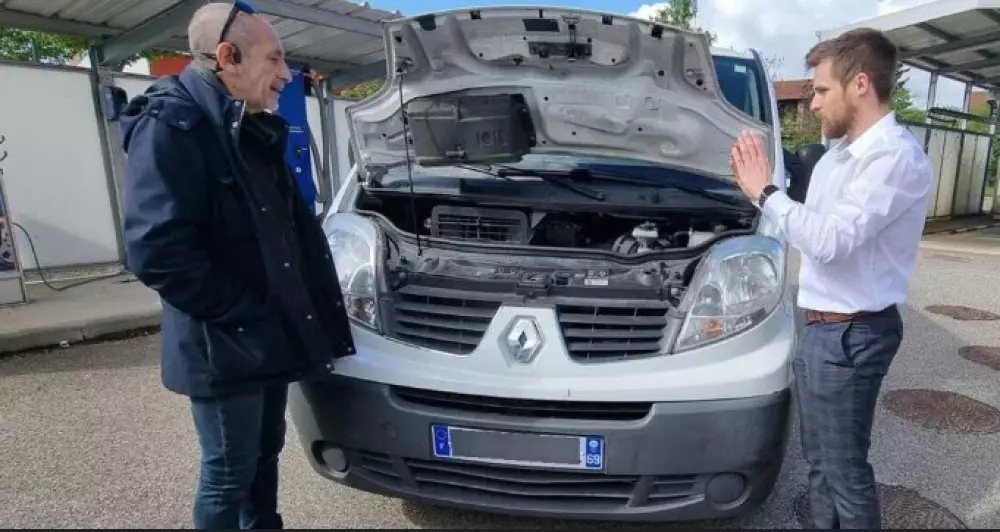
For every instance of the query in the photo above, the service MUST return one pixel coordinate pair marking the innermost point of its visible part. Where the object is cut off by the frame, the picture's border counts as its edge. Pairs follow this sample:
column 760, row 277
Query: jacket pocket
column 233, row 210
column 254, row 348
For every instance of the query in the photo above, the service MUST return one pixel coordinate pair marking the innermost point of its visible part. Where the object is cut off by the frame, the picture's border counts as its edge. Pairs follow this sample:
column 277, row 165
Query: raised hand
column 750, row 164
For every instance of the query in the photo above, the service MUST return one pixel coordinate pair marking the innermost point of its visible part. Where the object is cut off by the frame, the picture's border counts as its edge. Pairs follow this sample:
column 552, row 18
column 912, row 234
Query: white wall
column 55, row 177
column 54, row 174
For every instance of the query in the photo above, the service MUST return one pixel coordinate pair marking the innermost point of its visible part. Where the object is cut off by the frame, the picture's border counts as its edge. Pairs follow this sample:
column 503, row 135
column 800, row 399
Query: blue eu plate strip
column 442, row 441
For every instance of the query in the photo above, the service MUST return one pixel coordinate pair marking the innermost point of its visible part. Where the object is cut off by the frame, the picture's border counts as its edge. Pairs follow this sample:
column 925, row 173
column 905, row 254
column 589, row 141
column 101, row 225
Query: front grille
column 533, row 408
column 429, row 317
column 602, row 333
column 529, row 486
column 453, row 319
column 483, row 225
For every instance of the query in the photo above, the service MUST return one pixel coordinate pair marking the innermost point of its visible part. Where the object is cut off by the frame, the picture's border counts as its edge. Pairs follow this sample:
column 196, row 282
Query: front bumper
column 668, row 462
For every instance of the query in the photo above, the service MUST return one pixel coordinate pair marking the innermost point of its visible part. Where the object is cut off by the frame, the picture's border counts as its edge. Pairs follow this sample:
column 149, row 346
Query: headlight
column 739, row 283
column 352, row 240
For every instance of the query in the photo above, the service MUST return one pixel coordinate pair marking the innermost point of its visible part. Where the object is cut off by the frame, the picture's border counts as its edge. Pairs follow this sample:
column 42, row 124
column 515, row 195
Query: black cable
column 41, row 274
column 34, row 252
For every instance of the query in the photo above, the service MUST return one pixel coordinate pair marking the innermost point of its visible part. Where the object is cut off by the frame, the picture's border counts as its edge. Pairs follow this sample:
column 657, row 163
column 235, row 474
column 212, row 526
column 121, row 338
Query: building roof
column 333, row 36
column 958, row 39
column 793, row 89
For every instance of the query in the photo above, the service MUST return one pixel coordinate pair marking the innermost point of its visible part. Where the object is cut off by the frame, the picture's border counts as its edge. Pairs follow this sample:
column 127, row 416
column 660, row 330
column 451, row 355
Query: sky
column 785, row 29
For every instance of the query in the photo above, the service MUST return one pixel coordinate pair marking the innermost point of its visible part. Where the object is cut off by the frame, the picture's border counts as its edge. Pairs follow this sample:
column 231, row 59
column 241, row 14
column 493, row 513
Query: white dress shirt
column 861, row 224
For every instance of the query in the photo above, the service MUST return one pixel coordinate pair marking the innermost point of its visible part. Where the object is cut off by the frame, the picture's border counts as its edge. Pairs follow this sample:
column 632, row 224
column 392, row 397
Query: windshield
column 741, row 85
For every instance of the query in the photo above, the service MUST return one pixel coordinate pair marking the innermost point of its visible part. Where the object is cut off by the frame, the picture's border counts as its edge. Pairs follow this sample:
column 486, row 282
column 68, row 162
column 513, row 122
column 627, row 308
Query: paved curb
column 87, row 329
column 963, row 229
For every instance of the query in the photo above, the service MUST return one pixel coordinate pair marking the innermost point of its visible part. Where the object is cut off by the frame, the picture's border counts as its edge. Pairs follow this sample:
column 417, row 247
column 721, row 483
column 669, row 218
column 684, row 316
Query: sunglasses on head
column 239, row 6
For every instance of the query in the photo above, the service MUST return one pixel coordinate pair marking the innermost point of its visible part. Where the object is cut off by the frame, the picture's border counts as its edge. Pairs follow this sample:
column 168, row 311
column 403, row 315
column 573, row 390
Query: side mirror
column 799, row 166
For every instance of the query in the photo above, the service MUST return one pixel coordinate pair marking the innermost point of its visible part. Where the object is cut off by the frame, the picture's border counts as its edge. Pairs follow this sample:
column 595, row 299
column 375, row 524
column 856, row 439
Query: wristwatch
column 764, row 194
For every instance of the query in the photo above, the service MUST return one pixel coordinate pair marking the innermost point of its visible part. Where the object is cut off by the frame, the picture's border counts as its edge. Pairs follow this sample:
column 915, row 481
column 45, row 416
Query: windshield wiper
column 586, row 173
column 557, row 178
column 568, row 179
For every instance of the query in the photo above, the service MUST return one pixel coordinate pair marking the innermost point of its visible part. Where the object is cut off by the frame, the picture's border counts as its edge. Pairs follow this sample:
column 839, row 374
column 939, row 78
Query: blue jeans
column 839, row 369
column 241, row 437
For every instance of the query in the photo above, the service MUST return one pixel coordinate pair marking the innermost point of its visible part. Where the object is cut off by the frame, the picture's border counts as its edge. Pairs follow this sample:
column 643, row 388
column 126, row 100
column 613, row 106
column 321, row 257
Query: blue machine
column 292, row 107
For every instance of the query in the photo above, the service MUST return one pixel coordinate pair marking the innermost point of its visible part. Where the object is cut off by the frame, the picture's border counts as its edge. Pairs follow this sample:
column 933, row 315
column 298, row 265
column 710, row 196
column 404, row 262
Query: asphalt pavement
column 89, row 438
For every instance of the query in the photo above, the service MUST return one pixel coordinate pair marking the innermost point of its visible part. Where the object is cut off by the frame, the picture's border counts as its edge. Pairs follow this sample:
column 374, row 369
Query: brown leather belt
column 820, row 316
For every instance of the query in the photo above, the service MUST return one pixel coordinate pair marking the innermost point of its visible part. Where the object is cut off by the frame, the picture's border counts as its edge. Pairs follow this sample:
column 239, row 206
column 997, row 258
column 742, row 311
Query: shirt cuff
column 778, row 205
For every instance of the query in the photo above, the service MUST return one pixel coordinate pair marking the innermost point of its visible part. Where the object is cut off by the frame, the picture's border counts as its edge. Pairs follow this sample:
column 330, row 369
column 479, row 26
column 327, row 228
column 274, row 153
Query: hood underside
column 489, row 85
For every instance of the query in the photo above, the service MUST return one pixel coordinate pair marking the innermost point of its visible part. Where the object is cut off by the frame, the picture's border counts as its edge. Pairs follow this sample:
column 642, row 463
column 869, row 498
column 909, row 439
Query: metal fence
column 961, row 161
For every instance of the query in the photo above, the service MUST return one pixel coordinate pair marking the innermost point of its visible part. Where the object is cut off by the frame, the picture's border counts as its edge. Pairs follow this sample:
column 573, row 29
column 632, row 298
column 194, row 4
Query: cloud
column 786, row 29
column 884, row 8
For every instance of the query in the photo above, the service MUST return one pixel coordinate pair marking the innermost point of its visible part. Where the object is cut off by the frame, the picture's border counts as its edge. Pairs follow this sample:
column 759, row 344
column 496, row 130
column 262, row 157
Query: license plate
column 518, row 448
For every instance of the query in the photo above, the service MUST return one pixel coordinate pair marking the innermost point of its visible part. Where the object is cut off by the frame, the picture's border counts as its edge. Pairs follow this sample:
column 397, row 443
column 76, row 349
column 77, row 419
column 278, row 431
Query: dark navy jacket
column 250, row 295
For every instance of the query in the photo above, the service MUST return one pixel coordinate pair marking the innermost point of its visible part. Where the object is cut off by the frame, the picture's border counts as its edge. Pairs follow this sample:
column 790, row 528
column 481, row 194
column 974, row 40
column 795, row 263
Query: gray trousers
column 839, row 369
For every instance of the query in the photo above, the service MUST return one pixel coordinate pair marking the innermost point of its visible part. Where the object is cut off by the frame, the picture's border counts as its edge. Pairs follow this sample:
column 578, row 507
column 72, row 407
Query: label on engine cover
column 596, row 278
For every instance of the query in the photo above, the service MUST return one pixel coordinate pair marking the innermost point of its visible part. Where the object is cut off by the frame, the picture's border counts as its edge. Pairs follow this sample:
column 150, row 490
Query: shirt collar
column 869, row 137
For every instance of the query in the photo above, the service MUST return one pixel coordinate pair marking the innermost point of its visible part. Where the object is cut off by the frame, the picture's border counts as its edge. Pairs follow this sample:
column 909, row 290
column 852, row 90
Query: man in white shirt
column 858, row 234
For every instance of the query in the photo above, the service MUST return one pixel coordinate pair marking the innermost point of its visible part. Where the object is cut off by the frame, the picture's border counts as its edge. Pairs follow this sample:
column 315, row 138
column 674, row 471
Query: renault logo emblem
column 524, row 340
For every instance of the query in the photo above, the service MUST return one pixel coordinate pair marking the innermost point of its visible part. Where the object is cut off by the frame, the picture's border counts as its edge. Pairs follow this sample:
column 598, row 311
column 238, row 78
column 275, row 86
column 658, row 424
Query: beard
column 835, row 128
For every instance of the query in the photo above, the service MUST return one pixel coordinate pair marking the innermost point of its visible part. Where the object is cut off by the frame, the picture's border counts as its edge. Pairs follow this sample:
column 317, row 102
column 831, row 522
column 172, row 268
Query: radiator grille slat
column 601, row 333
column 450, row 324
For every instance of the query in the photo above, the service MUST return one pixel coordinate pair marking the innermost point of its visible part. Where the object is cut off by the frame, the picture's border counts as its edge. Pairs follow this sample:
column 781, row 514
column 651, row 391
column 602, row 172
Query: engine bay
column 619, row 232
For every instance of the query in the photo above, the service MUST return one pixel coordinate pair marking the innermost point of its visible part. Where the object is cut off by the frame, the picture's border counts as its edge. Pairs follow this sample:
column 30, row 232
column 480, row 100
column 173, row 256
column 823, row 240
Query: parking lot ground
column 89, row 438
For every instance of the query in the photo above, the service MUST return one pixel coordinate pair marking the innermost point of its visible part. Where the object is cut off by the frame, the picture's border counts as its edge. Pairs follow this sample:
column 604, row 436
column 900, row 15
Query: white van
column 562, row 303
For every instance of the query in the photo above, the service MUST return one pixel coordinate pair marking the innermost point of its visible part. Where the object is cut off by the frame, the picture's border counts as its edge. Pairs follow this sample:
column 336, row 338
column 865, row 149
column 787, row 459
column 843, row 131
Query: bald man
column 216, row 225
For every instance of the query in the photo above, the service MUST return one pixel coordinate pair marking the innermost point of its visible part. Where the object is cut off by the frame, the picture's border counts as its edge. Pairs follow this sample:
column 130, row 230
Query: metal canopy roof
column 957, row 39
column 338, row 37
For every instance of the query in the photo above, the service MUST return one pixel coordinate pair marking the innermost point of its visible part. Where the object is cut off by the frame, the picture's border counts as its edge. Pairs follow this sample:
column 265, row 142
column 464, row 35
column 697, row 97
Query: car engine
column 611, row 273
column 622, row 233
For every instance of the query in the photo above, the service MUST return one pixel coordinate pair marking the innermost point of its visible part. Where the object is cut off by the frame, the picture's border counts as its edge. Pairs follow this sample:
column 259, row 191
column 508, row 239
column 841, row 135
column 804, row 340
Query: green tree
column 36, row 46
column 362, row 90
column 901, row 100
column 798, row 133
column 24, row 45
column 982, row 110
column 682, row 14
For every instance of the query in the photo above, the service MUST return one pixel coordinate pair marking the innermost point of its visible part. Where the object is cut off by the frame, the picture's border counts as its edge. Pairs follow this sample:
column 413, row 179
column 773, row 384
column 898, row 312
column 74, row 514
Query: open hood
column 489, row 85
